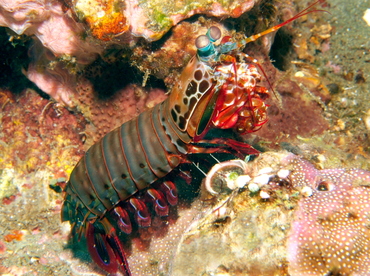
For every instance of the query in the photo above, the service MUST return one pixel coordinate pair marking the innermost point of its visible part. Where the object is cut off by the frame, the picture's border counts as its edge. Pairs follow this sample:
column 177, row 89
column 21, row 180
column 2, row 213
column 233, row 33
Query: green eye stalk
column 207, row 50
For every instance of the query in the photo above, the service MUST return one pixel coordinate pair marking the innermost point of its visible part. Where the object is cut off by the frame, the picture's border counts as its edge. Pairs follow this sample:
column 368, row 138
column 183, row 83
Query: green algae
column 160, row 12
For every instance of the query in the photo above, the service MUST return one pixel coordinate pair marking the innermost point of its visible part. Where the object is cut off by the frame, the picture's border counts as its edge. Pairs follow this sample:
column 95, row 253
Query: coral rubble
column 290, row 218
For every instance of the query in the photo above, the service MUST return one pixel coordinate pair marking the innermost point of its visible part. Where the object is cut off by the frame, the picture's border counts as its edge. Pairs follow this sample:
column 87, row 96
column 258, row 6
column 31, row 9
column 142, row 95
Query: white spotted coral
column 330, row 235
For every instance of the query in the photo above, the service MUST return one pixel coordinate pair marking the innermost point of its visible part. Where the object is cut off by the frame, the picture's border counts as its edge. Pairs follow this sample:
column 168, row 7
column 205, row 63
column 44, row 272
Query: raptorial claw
column 101, row 252
column 106, row 249
column 117, row 247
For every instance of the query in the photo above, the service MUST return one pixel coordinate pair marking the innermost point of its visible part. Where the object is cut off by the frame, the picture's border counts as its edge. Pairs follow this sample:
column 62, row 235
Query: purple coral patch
column 331, row 231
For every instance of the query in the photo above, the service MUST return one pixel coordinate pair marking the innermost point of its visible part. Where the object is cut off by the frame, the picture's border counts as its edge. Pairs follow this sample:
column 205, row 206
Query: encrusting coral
column 35, row 132
column 149, row 19
column 331, row 232
column 57, row 23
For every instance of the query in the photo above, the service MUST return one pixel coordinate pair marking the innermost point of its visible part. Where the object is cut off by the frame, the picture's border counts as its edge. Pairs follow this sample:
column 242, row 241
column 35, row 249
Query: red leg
column 142, row 215
column 101, row 254
column 122, row 218
column 170, row 191
column 224, row 145
column 159, row 202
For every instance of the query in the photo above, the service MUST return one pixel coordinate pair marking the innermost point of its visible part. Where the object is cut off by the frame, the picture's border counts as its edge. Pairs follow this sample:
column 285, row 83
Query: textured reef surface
column 330, row 233
column 71, row 34
column 149, row 19
column 71, row 72
column 288, row 219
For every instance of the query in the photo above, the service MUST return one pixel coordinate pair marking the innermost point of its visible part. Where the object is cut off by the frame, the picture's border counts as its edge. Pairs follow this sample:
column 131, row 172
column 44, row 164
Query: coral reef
column 107, row 20
column 31, row 126
column 321, row 111
column 40, row 141
column 47, row 19
column 149, row 19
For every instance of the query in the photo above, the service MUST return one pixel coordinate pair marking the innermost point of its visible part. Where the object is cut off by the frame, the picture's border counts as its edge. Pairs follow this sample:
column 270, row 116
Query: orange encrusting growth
column 112, row 24
column 16, row 235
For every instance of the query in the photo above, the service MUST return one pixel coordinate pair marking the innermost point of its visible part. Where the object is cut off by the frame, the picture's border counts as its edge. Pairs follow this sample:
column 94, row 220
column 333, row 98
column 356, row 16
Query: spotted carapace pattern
column 200, row 82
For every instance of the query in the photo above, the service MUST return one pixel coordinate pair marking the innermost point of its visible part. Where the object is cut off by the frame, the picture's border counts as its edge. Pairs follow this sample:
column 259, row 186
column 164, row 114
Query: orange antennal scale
column 277, row 27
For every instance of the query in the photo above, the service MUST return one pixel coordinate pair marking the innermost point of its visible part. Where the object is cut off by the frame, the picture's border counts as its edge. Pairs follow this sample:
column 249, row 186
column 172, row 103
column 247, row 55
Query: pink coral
column 56, row 81
column 125, row 19
column 330, row 234
column 54, row 28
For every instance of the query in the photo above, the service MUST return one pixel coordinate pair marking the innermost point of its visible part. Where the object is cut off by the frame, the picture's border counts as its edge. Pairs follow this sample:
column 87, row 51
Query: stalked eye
column 214, row 33
column 202, row 43
column 205, row 48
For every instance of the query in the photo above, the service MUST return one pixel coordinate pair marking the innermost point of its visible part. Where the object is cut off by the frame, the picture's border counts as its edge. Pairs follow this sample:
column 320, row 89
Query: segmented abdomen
column 126, row 160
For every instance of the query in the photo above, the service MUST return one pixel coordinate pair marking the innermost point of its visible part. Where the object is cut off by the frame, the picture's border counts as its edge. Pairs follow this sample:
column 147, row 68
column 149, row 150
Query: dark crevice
column 282, row 52
column 108, row 78
column 14, row 58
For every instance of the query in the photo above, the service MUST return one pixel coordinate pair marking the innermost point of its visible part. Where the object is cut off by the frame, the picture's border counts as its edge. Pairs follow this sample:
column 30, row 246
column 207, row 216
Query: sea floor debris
column 299, row 221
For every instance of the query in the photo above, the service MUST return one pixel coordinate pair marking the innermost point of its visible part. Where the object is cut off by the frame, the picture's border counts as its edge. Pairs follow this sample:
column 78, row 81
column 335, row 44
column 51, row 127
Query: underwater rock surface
column 57, row 23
